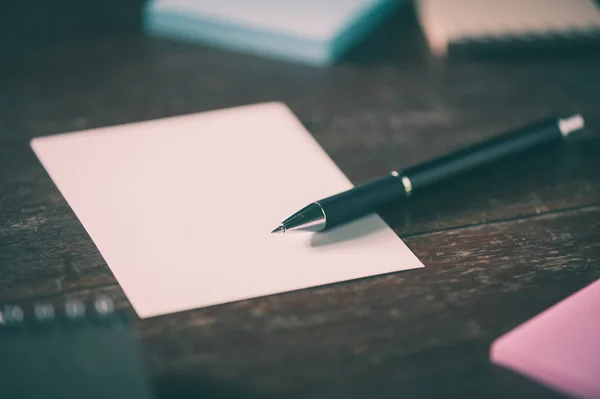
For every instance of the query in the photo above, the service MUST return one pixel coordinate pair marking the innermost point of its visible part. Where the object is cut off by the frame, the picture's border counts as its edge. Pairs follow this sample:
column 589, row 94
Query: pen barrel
column 362, row 199
column 482, row 154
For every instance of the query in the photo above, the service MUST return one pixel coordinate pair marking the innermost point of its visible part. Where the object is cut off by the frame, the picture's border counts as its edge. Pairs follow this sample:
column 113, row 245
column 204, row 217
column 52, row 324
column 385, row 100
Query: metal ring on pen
column 405, row 182
column 407, row 185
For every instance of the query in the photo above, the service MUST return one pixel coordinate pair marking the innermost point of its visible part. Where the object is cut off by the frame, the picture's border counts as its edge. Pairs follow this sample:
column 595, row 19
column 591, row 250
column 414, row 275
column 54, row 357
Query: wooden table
column 499, row 245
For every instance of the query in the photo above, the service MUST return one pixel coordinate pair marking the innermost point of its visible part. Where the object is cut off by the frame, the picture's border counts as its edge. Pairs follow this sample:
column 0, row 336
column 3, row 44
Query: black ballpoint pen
column 368, row 197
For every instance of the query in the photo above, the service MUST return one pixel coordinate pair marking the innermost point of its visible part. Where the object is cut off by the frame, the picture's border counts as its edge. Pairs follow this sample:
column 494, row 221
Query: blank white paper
column 182, row 208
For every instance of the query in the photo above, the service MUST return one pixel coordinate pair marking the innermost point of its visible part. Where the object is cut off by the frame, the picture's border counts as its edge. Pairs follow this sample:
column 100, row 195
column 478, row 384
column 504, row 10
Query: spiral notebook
column 463, row 26
column 70, row 350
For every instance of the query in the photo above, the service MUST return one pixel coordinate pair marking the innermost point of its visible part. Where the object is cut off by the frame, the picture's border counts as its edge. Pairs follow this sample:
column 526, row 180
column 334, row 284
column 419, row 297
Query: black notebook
column 75, row 350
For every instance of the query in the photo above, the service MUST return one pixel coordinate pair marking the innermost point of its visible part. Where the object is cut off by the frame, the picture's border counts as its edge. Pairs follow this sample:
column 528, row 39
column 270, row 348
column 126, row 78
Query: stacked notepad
column 464, row 24
column 559, row 347
column 310, row 31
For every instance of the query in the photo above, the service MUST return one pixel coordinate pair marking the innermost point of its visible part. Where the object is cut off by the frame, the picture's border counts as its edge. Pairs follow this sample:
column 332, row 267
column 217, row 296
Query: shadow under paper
column 192, row 386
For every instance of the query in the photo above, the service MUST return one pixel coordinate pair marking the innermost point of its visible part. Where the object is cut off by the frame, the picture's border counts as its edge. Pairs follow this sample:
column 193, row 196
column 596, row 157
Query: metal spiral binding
column 72, row 309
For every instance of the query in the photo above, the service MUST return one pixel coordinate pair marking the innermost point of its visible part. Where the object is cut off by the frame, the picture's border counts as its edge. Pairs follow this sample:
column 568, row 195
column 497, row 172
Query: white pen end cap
column 571, row 124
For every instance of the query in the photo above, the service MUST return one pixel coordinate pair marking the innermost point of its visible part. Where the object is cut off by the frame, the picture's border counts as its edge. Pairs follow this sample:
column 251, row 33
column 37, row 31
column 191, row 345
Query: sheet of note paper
column 182, row 208
column 560, row 347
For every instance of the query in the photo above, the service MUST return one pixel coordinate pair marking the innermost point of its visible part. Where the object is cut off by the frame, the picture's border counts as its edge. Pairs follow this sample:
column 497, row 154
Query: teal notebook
column 71, row 350
column 314, row 32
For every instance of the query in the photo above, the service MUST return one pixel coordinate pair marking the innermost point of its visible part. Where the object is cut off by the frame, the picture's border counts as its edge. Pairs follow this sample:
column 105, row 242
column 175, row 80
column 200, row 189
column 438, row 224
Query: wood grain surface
column 499, row 245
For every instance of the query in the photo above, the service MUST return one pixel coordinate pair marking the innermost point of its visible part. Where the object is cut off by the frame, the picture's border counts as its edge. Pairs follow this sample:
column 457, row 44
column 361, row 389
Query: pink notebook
column 560, row 347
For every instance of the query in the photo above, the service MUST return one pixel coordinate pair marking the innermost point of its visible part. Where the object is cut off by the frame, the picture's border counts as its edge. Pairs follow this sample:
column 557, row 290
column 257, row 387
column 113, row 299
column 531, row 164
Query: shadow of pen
column 355, row 230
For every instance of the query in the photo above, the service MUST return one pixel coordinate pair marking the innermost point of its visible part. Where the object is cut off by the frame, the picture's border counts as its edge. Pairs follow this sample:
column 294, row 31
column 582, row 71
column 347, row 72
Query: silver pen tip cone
column 279, row 229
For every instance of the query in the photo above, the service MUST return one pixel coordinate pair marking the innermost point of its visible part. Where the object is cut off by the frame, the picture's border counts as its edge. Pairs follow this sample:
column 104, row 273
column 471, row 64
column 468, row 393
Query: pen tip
column 279, row 229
